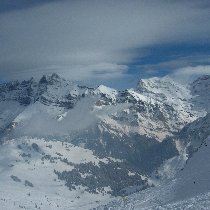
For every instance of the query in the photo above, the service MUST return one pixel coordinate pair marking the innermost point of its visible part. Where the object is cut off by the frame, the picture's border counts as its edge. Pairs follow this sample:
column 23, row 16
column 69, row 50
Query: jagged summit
column 156, row 108
column 51, row 79
column 153, row 81
column 107, row 92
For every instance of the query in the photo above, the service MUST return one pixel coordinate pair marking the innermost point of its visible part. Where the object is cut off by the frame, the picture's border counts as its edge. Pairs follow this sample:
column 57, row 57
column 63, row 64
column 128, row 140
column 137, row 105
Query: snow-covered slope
column 88, row 144
column 187, row 141
column 28, row 178
column 161, row 107
column 9, row 110
column 189, row 189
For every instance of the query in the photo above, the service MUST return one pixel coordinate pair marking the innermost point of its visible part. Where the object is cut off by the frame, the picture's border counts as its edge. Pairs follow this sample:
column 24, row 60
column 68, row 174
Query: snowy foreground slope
column 190, row 189
column 28, row 180
column 65, row 146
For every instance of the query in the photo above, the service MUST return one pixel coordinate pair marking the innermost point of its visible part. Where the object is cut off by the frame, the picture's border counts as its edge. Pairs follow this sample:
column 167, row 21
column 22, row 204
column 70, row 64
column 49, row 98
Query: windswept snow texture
column 65, row 146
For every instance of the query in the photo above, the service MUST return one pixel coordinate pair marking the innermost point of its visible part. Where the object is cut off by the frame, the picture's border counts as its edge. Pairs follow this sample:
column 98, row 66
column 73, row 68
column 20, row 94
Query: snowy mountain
column 77, row 146
column 189, row 189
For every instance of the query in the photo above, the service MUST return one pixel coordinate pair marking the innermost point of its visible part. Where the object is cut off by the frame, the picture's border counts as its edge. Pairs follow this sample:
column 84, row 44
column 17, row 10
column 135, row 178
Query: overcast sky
column 105, row 40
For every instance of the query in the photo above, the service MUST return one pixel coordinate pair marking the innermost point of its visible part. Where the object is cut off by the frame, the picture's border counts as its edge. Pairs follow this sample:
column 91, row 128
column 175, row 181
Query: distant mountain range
column 68, row 146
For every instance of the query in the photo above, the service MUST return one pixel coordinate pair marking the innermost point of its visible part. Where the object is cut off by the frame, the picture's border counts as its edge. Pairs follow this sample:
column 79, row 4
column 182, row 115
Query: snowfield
column 28, row 180
column 65, row 146
column 190, row 189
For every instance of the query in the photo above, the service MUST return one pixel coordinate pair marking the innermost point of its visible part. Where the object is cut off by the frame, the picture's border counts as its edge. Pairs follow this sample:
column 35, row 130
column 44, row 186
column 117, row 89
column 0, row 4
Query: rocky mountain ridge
column 167, row 104
column 129, row 135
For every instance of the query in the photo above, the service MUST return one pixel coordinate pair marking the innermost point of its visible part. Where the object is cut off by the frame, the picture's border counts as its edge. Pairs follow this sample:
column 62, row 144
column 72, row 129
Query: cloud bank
column 190, row 73
column 39, row 122
column 93, row 39
column 36, row 121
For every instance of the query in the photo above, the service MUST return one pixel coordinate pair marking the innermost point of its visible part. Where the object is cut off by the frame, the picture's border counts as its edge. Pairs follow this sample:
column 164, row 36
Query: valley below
column 67, row 146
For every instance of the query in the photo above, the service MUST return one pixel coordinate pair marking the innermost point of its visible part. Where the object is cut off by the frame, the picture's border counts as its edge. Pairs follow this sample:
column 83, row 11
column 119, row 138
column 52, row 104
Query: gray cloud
column 189, row 73
column 10, row 5
column 84, row 115
column 43, row 124
column 93, row 39
column 176, row 63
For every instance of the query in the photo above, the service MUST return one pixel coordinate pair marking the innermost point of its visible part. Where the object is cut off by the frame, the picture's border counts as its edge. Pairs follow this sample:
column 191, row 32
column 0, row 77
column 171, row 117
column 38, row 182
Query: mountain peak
column 43, row 80
column 51, row 79
column 154, row 83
